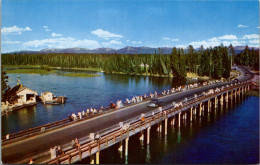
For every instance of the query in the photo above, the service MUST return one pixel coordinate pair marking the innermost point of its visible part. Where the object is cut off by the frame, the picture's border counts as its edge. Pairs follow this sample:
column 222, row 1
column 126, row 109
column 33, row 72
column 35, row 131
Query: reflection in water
column 179, row 135
column 165, row 143
column 48, row 107
column 27, row 115
column 148, row 154
column 126, row 159
column 190, row 130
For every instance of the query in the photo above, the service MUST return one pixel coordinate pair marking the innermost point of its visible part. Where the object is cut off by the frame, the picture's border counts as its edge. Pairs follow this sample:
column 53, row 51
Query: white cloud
column 112, row 42
column 67, row 42
column 56, row 35
column 105, row 34
column 14, row 30
column 170, row 39
column 214, row 42
column 251, row 36
column 254, row 41
column 228, row 37
column 46, row 28
column 127, row 41
column 137, row 42
column 242, row 26
column 258, row 27
column 11, row 42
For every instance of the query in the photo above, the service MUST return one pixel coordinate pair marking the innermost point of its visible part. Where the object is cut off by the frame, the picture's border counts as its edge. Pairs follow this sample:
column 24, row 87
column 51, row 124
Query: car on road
column 155, row 103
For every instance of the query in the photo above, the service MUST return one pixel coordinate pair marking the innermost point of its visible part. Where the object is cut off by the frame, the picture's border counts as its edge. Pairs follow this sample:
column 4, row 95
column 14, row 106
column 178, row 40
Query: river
column 229, row 135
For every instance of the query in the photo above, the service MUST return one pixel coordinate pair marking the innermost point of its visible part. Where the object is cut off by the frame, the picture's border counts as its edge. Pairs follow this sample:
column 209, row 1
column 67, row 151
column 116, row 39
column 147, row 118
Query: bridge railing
column 47, row 127
column 136, row 123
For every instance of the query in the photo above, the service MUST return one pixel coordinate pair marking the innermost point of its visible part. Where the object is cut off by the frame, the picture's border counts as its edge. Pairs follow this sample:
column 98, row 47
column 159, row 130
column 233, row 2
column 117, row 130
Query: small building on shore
column 47, row 96
column 17, row 97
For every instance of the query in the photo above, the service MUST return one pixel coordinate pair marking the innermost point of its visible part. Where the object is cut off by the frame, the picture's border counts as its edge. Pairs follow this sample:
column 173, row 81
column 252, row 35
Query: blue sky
column 41, row 24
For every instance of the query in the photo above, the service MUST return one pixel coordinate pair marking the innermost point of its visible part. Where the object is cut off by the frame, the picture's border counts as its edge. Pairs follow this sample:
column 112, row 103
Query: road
column 27, row 148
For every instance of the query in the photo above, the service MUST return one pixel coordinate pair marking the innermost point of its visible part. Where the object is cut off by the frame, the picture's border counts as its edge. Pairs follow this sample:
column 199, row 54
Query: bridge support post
column 97, row 157
column 208, row 105
column 120, row 148
column 142, row 136
column 92, row 160
column 191, row 113
column 195, row 111
column 200, row 109
column 159, row 126
column 166, row 122
column 179, row 120
column 216, row 101
column 231, row 95
column 148, row 135
column 126, row 146
column 172, row 122
column 221, row 99
column 227, row 98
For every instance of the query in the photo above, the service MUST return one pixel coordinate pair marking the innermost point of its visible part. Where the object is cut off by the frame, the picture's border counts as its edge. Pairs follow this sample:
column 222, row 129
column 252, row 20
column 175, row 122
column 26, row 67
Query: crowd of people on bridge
column 136, row 99
column 57, row 150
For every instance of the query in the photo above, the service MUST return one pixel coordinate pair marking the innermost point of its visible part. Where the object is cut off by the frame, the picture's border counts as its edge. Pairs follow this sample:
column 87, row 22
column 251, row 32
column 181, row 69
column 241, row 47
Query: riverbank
column 47, row 68
column 43, row 70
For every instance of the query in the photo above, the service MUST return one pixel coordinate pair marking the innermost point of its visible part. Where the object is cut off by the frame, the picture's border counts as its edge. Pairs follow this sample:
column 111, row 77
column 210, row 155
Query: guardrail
column 136, row 123
column 62, row 123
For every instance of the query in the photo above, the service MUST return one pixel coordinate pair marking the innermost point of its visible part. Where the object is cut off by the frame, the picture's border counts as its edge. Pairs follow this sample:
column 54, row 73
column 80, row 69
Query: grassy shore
column 48, row 67
column 79, row 75
column 44, row 69
column 30, row 71
column 193, row 75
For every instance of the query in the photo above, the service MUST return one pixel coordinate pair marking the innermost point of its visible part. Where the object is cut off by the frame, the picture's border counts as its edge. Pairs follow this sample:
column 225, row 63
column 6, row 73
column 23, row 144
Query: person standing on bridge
column 31, row 161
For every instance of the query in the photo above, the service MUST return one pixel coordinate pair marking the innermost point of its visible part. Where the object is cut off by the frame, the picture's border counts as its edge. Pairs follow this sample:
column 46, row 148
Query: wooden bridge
column 169, row 115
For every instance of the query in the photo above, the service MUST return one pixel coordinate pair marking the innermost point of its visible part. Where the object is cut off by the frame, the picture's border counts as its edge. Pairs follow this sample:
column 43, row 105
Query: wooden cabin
column 47, row 96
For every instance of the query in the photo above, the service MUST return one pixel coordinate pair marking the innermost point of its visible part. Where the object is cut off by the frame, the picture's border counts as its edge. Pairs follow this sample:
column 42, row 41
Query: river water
column 229, row 135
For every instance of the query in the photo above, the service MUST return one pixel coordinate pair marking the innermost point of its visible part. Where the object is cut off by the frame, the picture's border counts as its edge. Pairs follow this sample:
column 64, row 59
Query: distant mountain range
column 125, row 50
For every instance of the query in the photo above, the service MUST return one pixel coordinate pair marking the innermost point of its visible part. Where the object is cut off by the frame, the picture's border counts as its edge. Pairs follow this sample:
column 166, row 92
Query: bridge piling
column 191, row 113
column 227, row 97
column 148, row 135
column 126, row 146
column 200, row 109
column 216, row 102
column 173, row 120
column 92, row 160
column 120, row 148
column 142, row 136
column 221, row 99
column 97, row 157
column 179, row 120
column 166, row 122
column 208, row 105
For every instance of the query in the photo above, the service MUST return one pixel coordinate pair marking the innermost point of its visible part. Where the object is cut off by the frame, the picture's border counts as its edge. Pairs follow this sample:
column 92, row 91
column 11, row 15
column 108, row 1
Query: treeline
column 213, row 62
column 248, row 57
